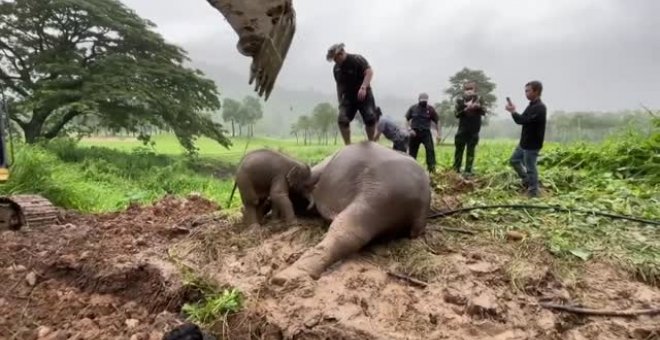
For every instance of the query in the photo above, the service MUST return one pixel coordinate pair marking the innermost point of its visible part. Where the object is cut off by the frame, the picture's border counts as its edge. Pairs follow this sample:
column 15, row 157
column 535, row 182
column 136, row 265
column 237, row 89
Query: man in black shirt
column 533, row 121
column 353, row 76
column 419, row 118
column 469, row 109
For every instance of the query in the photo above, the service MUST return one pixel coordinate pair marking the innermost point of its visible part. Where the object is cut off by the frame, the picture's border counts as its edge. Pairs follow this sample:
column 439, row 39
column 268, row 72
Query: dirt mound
column 444, row 287
column 118, row 276
column 97, row 276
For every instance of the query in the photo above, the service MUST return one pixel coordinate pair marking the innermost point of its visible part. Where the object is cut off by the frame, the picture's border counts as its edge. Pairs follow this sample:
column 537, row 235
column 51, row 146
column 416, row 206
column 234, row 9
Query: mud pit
column 113, row 277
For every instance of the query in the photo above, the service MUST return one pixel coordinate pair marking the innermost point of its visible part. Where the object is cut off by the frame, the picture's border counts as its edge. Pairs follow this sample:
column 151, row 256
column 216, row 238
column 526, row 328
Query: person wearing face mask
column 419, row 118
column 469, row 110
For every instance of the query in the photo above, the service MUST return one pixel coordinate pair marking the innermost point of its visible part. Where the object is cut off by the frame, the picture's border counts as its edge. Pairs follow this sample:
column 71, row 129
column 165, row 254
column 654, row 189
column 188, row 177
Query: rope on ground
column 542, row 207
column 408, row 279
column 454, row 230
column 600, row 312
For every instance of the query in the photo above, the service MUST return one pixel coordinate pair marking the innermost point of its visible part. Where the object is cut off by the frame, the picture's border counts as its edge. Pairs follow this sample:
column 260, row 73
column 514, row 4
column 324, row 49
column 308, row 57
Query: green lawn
column 488, row 152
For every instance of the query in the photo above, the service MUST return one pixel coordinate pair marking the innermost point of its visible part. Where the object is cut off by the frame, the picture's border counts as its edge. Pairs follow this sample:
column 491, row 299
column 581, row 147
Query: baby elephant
column 267, row 177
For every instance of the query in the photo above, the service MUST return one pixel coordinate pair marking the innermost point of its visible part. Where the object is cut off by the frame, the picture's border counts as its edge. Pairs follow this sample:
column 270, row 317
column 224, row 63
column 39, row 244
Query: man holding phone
column 533, row 121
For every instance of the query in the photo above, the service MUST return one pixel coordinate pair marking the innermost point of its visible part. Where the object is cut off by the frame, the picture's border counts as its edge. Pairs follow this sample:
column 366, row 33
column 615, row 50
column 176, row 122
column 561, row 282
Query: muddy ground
column 118, row 276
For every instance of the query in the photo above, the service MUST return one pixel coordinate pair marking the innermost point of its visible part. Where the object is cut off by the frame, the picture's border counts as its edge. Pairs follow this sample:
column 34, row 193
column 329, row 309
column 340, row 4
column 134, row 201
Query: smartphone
column 508, row 100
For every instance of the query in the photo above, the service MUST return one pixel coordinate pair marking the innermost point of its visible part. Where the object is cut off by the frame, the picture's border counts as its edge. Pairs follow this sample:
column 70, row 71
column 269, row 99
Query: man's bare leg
column 345, row 134
column 371, row 132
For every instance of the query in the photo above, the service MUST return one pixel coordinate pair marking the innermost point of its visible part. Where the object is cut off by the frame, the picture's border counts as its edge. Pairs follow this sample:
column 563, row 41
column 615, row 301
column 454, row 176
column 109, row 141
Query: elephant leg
column 262, row 209
column 250, row 204
column 250, row 215
column 419, row 226
column 347, row 234
column 279, row 195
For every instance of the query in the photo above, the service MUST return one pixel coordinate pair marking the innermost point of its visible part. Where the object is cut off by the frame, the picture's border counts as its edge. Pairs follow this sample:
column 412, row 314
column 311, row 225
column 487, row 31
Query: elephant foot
column 290, row 275
column 309, row 266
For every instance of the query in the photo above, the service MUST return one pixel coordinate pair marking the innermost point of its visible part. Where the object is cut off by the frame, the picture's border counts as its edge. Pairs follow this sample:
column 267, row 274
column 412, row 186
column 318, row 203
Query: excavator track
column 32, row 211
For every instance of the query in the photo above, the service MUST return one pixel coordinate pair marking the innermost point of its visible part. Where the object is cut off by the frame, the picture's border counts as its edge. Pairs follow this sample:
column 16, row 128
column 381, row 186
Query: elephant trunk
column 344, row 238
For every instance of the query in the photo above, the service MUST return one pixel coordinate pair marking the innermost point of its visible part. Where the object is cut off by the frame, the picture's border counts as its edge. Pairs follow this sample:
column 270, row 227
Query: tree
column 447, row 116
column 485, row 87
column 295, row 129
column 251, row 112
column 304, row 124
column 446, row 113
column 324, row 116
column 230, row 111
column 63, row 59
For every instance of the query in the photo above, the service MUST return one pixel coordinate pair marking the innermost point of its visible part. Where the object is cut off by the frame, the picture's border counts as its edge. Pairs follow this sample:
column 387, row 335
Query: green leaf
column 581, row 253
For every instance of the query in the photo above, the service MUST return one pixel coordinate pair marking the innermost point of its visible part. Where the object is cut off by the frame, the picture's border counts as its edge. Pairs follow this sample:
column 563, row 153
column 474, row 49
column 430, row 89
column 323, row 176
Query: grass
column 216, row 303
column 618, row 176
column 214, row 306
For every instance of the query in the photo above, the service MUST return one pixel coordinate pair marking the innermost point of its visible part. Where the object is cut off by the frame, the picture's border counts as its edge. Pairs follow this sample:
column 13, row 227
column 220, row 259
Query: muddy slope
column 96, row 276
column 114, row 277
column 462, row 287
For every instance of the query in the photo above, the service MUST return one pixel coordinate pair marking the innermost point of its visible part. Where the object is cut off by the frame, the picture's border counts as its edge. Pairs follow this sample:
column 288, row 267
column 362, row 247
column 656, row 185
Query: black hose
column 542, row 207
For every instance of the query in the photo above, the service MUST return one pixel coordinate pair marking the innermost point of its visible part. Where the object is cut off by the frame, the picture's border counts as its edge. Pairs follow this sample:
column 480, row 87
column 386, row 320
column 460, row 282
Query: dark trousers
column 401, row 145
column 423, row 137
column 462, row 140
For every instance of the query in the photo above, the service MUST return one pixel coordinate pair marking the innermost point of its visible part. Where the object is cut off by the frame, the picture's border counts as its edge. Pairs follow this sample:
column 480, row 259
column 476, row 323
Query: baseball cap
column 333, row 50
column 423, row 97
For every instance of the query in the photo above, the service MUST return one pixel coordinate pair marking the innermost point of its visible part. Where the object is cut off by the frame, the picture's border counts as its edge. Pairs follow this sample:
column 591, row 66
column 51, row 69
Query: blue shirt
column 390, row 130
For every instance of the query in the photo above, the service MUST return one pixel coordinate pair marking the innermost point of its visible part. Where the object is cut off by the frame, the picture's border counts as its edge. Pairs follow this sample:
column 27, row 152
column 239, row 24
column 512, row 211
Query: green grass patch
column 96, row 179
column 618, row 176
column 215, row 306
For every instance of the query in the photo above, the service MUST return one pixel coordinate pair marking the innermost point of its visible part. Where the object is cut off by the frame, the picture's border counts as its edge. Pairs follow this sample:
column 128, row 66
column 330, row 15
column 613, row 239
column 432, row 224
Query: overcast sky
column 589, row 54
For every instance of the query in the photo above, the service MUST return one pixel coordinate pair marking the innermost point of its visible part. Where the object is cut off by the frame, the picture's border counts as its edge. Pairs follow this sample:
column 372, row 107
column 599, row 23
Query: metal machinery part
column 31, row 211
column 265, row 30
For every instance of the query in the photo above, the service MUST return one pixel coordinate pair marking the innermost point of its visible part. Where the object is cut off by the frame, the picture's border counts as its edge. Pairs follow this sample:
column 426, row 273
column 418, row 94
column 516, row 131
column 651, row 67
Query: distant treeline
column 576, row 126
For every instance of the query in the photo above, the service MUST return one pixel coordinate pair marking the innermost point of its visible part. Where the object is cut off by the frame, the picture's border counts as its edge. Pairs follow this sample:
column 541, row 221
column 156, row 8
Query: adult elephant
column 368, row 191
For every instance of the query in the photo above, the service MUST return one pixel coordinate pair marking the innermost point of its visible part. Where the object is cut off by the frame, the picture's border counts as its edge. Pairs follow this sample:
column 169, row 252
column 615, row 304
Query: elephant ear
column 293, row 176
column 299, row 177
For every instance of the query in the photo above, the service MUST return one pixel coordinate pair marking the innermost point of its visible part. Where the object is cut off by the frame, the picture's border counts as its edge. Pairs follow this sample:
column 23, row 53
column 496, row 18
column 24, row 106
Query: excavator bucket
column 265, row 30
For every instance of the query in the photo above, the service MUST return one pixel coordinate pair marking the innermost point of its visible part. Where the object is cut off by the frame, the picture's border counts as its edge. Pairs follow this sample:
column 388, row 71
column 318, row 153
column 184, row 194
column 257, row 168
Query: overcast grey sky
column 590, row 54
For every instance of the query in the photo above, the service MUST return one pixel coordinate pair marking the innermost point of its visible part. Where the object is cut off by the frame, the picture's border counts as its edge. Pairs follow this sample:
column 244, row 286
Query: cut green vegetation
column 618, row 176
column 215, row 306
